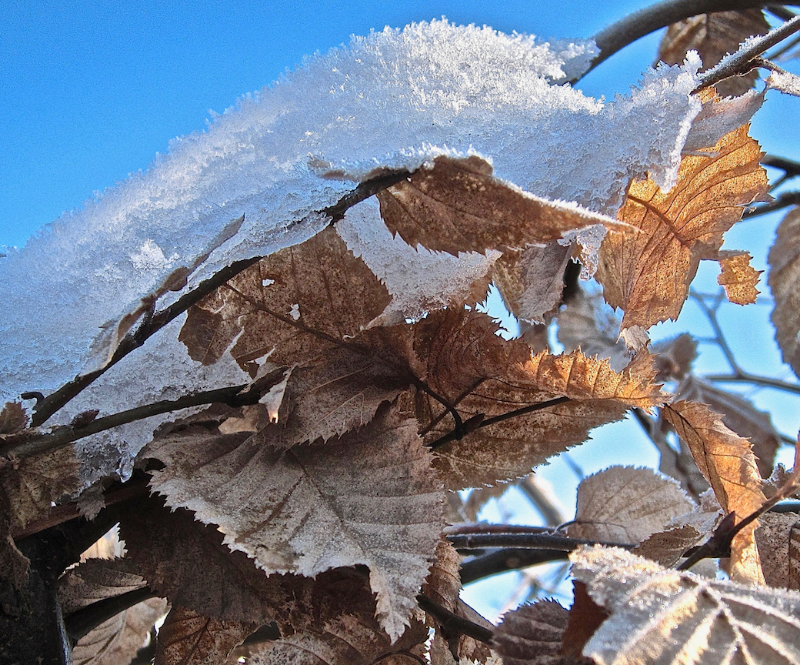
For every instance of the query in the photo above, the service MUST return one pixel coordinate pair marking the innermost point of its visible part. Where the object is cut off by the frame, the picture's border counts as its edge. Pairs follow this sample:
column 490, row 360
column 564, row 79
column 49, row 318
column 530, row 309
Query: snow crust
column 394, row 98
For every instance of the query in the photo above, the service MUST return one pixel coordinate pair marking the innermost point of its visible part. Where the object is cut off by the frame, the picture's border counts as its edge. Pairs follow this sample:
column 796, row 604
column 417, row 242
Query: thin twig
column 45, row 408
column 783, row 200
column 746, row 377
column 86, row 619
column 548, row 541
column 742, row 61
column 627, row 30
column 453, row 623
column 503, row 560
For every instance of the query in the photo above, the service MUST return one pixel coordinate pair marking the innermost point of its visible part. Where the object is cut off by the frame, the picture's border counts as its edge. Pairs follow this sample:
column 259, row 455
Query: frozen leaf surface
column 778, row 540
column 648, row 274
column 368, row 498
column 456, row 205
column 668, row 617
column 727, row 462
column 626, row 505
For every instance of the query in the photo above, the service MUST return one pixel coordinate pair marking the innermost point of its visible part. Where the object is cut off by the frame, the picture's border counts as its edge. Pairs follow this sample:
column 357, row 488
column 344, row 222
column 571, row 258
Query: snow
column 394, row 98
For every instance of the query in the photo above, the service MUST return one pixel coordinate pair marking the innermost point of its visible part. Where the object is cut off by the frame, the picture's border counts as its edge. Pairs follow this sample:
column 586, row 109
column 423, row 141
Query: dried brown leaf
column 738, row 277
column 485, row 376
column 13, row 418
column 667, row 547
column 456, row 205
column 648, row 274
column 369, row 497
column 778, row 540
column 727, row 462
column 94, row 580
column 674, row 357
column 784, row 281
column 531, row 281
column 738, row 414
column 188, row 638
column 532, row 635
column 713, row 36
column 622, row 504
column 665, row 616
column 296, row 305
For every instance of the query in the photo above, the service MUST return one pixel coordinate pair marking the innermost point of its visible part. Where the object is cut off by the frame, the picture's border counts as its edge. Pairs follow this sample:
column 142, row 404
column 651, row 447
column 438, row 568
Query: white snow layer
column 393, row 98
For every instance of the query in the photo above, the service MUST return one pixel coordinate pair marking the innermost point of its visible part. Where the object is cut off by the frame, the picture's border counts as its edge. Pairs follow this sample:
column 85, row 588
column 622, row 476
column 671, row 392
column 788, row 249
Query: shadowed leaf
column 784, row 281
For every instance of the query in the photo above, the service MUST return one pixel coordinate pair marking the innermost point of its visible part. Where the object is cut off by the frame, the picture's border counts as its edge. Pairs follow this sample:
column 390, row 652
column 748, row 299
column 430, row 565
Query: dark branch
column 503, row 560
column 85, row 620
column 549, row 541
column 782, row 201
column 453, row 623
column 635, row 26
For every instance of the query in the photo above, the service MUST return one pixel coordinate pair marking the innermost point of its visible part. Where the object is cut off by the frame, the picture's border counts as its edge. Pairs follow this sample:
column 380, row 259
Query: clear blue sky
column 91, row 91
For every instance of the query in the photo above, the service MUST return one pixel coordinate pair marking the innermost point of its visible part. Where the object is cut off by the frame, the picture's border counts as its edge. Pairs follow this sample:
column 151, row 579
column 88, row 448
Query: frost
column 787, row 83
column 251, row 183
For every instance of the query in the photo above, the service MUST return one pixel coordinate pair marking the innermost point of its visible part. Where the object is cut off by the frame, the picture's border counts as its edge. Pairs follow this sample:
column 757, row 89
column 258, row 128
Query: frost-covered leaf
column 778, row 541
column 291, row 306
column 457, row 205
column 369, row 497
column 188, row 638
column 784, row 281
column 727, row 462
column 738, row 277
column 355, row 639
column 713, row 36
column 738, row 414
column 668, row 617
column 720, row 116
column 485, row 376
column 532, row 635
column 667, row 547
column 531, row 281
column 648, row 274
column 13, row 418
column 589, row 324
column 623, row 504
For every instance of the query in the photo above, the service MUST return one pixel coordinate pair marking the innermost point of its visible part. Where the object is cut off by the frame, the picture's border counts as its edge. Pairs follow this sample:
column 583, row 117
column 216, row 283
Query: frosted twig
column 746, row 59
column 548, row 541
column 627, row 30
column 45, row 408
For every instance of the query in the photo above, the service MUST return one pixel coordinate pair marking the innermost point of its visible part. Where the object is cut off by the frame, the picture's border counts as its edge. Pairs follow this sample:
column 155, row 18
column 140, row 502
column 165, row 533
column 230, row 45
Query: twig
column 627, row 30
column 781, row 201
column 742, row 61
column 548, row 541
column 453, row 623
column 45, row 408
column 26, row 445
column 82, row 622
column 506, row 559
column 745, row 377
column 719, row 336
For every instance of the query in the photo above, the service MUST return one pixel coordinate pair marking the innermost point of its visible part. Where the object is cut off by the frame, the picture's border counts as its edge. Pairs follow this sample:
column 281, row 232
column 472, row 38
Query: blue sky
column 91, row 91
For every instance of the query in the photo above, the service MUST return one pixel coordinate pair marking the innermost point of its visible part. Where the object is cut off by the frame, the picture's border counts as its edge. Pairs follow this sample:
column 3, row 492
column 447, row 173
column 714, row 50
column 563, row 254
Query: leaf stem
column 453, row 623
column 85, row 620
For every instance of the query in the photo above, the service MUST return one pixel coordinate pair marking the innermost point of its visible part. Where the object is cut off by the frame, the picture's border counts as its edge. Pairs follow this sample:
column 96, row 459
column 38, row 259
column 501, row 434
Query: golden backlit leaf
column 456, row 205
column 784, row 281
column 713, row 36
column 294, row 305
column 369, row 497
column 738, row 414
column 531, row 281
column 188, row 638
column 622, row 504
column 666, row 616
column 648, row 273
column 738, row 277
column 727, row 462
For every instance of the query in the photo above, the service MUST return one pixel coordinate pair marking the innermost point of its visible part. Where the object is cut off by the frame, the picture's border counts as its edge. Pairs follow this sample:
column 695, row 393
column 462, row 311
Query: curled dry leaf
column 531, row 281
column 188, row 638
column 784, row 281
column 671, row 617
column 648, row 274
column 738, row 414
column 532, row 635
column 727, row 462
column 778, row 540
column 738, row 277
column 456, row 205
column 622, row 504
column 369, row 498
column 713, row 36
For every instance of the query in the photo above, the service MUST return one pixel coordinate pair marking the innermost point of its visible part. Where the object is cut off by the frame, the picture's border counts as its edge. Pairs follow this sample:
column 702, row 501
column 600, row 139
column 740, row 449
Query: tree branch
column 453, row 623
column 46, row 407
column 781, row 201
column 548, row 541
column 627, row 30
column 85, row 620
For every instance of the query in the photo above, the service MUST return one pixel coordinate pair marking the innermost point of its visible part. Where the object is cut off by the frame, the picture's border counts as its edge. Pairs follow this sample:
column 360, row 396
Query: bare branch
column 548, row 541
column 782, row 201
column 453, row 623
column 86, row 619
